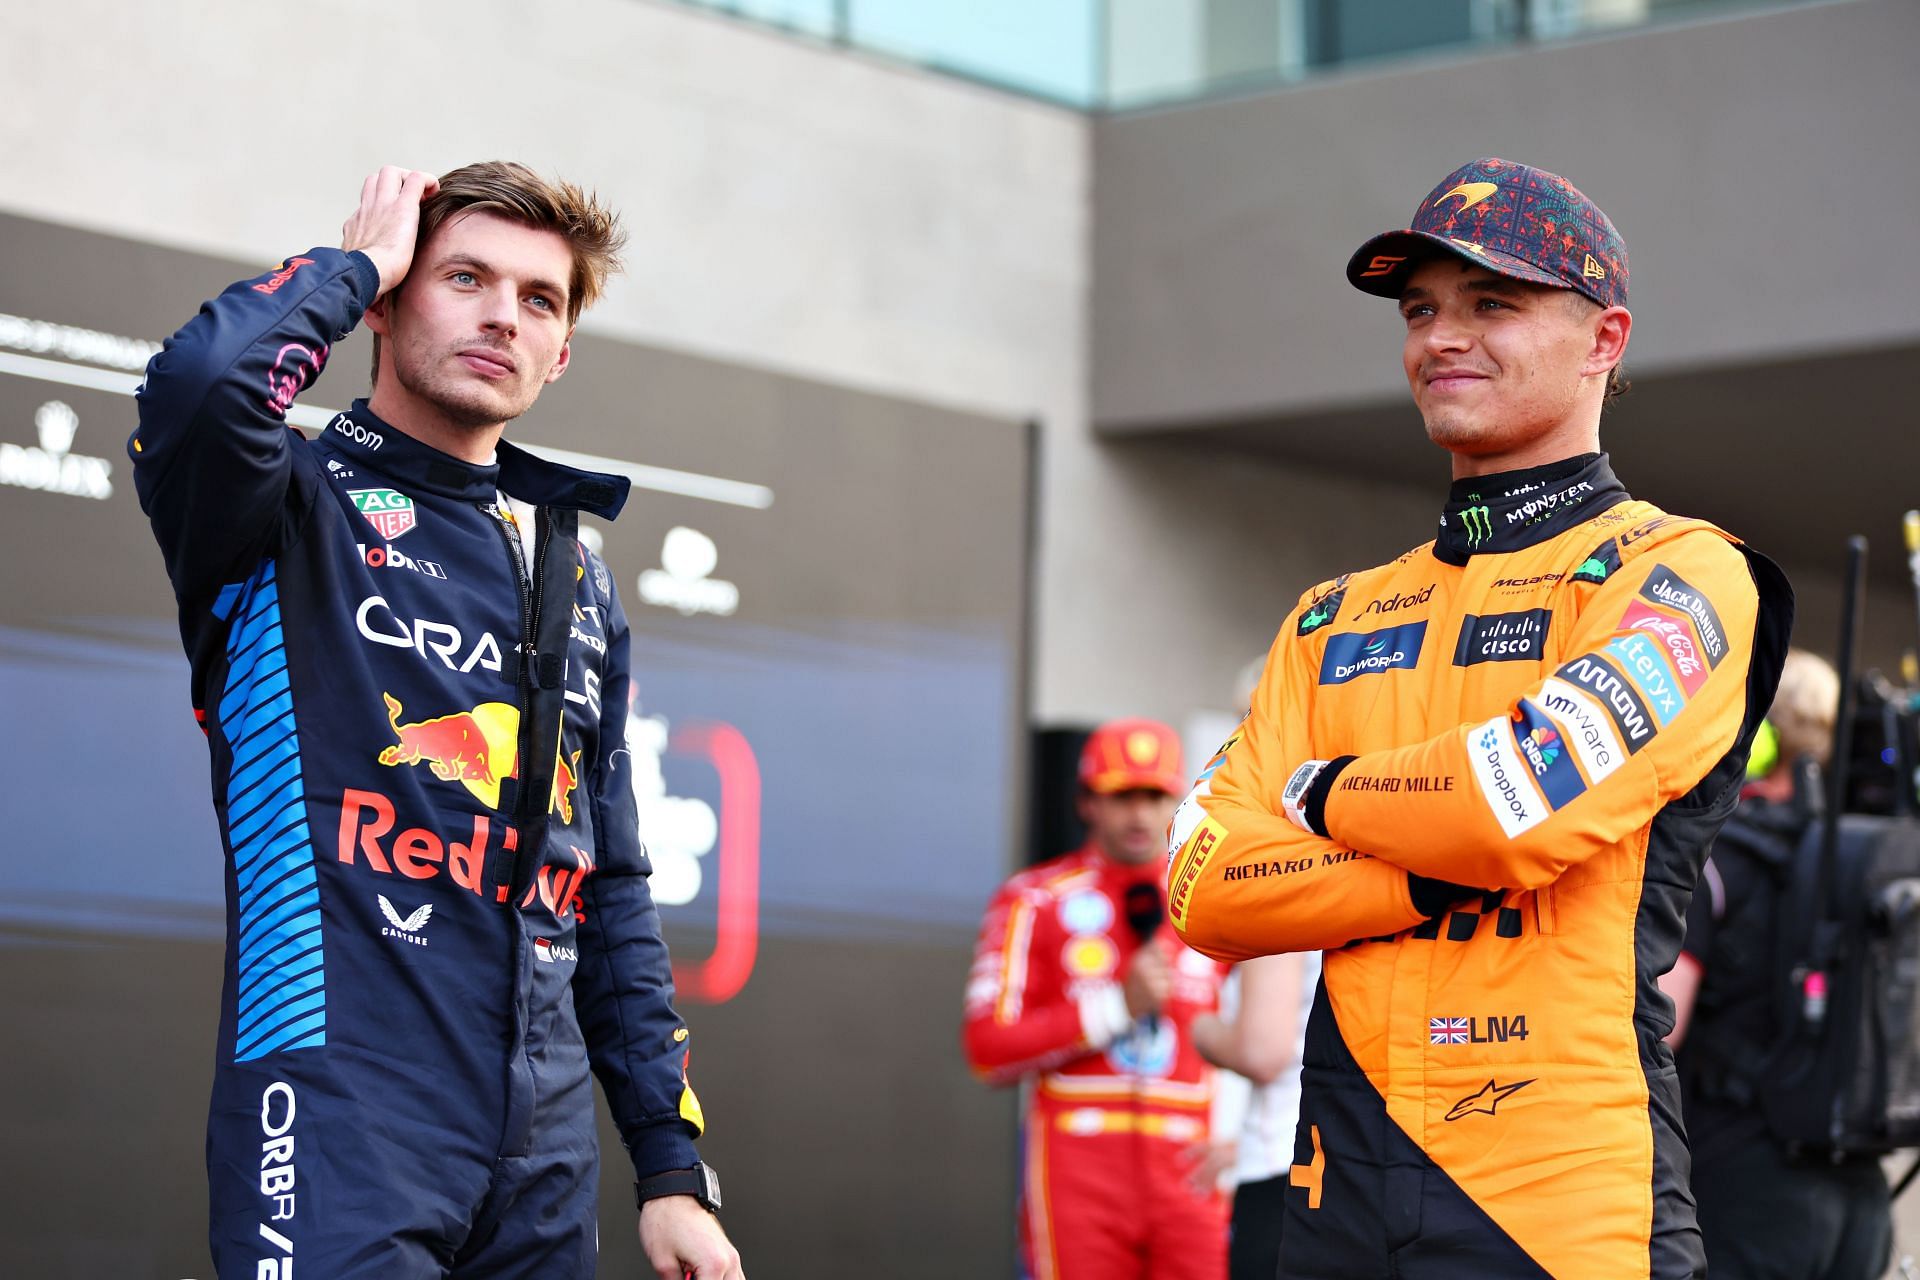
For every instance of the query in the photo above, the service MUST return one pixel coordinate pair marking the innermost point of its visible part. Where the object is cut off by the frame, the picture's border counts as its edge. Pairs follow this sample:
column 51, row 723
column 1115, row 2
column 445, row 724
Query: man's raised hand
column 387, row 223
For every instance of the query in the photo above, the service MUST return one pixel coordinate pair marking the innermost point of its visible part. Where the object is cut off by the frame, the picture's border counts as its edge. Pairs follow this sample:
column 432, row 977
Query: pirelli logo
column 1187, row 867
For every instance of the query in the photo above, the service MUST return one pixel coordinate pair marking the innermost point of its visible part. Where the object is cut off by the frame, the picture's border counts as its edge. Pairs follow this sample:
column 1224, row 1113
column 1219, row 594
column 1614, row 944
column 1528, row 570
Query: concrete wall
column 792, row 207
column 1761, row 168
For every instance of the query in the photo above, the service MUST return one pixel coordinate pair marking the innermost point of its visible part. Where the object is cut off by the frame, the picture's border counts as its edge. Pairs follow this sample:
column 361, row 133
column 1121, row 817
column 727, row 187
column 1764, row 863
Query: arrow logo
column 1485, row 1101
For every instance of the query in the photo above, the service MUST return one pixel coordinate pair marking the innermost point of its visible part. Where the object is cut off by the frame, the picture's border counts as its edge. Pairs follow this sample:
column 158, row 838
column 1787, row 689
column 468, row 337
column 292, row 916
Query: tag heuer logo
column 389, row 512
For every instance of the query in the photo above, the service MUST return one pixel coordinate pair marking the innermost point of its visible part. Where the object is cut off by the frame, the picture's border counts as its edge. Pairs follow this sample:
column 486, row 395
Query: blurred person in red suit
column 1080, row 995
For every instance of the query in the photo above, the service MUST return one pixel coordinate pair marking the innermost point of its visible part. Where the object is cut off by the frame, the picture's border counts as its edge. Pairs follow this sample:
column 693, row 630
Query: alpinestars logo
column 1487, row 1101
column 1476, row 525
column 407, row 928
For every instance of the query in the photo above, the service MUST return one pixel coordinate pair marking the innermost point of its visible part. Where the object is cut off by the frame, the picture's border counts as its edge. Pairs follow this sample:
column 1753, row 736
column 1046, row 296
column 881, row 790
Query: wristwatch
column 700, row 1182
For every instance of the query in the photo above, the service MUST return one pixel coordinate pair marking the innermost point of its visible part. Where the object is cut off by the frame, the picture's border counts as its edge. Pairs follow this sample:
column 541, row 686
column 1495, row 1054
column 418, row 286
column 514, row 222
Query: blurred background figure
column 1079, row 994
column 1256, row 1037
column 1764, row 1212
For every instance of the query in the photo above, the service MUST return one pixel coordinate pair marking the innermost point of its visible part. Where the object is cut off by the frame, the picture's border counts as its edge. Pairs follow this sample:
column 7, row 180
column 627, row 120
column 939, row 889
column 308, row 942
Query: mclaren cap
column 1512, row 219
column 1127, row 755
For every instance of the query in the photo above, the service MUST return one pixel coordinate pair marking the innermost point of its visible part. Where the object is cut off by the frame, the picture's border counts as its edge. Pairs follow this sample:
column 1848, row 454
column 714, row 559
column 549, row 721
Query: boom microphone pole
column 1813, row 987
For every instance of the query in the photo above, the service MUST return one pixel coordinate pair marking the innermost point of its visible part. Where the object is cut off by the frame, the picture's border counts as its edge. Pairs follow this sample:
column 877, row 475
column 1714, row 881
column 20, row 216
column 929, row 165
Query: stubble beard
column 1457, row 431
column 464, row 406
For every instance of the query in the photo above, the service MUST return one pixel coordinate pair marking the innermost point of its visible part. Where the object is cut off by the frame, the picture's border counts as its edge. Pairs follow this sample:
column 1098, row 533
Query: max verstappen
column 414, row 682
column 1483, row 779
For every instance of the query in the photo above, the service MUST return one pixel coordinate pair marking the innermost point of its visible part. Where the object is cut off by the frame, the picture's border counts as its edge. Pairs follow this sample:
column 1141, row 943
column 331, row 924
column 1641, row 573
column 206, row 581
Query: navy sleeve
column 623, row 983
column 213, row 458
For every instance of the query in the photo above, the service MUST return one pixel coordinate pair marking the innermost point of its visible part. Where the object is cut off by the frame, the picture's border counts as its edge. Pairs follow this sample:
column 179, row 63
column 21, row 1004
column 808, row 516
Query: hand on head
column 387, row 222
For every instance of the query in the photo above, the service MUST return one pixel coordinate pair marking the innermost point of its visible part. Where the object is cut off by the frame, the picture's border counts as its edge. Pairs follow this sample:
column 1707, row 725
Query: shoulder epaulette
column 1325, row 608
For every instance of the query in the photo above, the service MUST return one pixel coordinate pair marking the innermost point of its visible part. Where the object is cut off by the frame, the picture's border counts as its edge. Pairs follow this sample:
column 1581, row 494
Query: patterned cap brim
column 1380, row 265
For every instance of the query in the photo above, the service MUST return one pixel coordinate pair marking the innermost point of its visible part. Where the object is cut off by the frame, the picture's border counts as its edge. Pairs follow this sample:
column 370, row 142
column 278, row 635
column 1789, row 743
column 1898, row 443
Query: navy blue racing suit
column 437, row 902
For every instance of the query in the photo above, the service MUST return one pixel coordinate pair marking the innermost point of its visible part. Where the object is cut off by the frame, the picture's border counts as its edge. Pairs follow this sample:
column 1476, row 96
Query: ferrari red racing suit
column 1115, row 1106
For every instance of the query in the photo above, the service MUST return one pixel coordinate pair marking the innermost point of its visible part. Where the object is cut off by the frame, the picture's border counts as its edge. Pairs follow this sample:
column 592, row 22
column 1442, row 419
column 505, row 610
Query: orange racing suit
column 1531, row 729
column 1115, row 1106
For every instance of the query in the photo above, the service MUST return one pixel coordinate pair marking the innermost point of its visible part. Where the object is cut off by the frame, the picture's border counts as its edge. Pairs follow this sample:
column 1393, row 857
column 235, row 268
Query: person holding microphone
column 1079, row 993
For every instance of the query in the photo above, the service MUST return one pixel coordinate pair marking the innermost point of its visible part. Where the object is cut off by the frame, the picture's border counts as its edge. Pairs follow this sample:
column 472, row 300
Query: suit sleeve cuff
column 366, row 278
column 659, row 1148
column 1103, row 1015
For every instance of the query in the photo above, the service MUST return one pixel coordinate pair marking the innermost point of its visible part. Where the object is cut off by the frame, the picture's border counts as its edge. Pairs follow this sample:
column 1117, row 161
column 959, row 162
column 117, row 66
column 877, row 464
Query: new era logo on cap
column 1511, row 218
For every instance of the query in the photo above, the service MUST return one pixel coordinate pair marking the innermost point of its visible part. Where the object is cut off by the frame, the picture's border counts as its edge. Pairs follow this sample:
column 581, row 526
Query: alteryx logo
column 1645, row 665
column 1365, row 653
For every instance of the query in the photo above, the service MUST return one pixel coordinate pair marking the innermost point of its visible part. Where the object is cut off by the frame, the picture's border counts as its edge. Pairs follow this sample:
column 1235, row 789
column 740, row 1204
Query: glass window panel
column 1048, row 47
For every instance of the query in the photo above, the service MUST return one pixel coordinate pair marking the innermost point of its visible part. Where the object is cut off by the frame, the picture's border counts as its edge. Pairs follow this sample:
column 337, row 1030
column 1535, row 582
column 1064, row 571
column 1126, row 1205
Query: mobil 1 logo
column 1502, row 637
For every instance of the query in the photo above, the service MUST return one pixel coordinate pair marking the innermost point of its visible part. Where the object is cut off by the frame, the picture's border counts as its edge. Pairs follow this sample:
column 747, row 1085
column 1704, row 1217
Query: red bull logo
column 475, row 748
column 367, row 835
column 566, row 776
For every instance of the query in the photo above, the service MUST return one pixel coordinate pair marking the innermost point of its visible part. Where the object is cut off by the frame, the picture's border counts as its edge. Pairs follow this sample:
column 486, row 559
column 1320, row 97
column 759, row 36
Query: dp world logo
column 1364, row 653
column 1476, row 525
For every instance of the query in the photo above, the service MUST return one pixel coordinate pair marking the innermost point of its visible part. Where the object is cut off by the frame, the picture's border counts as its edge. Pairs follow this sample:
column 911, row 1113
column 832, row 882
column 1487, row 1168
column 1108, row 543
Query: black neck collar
column 1509, row 510
column 362, row 435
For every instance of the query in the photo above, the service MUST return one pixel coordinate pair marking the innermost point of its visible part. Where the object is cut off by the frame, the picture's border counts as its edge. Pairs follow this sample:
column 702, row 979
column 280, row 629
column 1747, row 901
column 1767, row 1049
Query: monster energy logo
column 1477, row 523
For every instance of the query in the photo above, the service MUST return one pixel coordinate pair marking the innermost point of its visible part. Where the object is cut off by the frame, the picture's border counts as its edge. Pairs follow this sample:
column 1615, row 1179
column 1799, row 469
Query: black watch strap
column 700, row 1182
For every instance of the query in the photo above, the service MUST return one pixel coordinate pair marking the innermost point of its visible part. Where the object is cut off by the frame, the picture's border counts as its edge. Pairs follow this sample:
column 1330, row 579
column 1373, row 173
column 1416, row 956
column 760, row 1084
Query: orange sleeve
column 1019, row 1021
column 1654, row 696
column 1244, row 880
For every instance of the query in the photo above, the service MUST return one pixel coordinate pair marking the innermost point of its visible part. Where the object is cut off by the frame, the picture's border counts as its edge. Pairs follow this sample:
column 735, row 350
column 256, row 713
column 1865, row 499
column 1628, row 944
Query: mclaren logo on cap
column 1470, row 193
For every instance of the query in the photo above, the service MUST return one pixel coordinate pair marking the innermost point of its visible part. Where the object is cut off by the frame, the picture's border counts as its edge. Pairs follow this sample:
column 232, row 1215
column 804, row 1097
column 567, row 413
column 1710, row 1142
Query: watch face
column 710, row 1182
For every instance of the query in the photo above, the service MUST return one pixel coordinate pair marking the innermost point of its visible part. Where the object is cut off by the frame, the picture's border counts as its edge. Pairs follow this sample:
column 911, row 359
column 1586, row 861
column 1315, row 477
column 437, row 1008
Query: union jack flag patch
column 1446, row 1030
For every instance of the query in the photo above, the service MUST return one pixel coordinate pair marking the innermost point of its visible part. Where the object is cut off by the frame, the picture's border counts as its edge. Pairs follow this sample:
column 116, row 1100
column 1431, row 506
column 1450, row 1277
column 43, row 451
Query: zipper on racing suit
column 503, row 870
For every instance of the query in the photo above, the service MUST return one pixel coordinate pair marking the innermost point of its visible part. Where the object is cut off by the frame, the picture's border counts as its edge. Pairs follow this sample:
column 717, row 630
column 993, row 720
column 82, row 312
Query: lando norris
column 1483, row 778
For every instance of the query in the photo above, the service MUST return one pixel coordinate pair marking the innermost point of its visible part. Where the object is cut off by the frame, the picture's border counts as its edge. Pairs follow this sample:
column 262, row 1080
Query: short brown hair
column 1617, row 386
column 515, row 192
